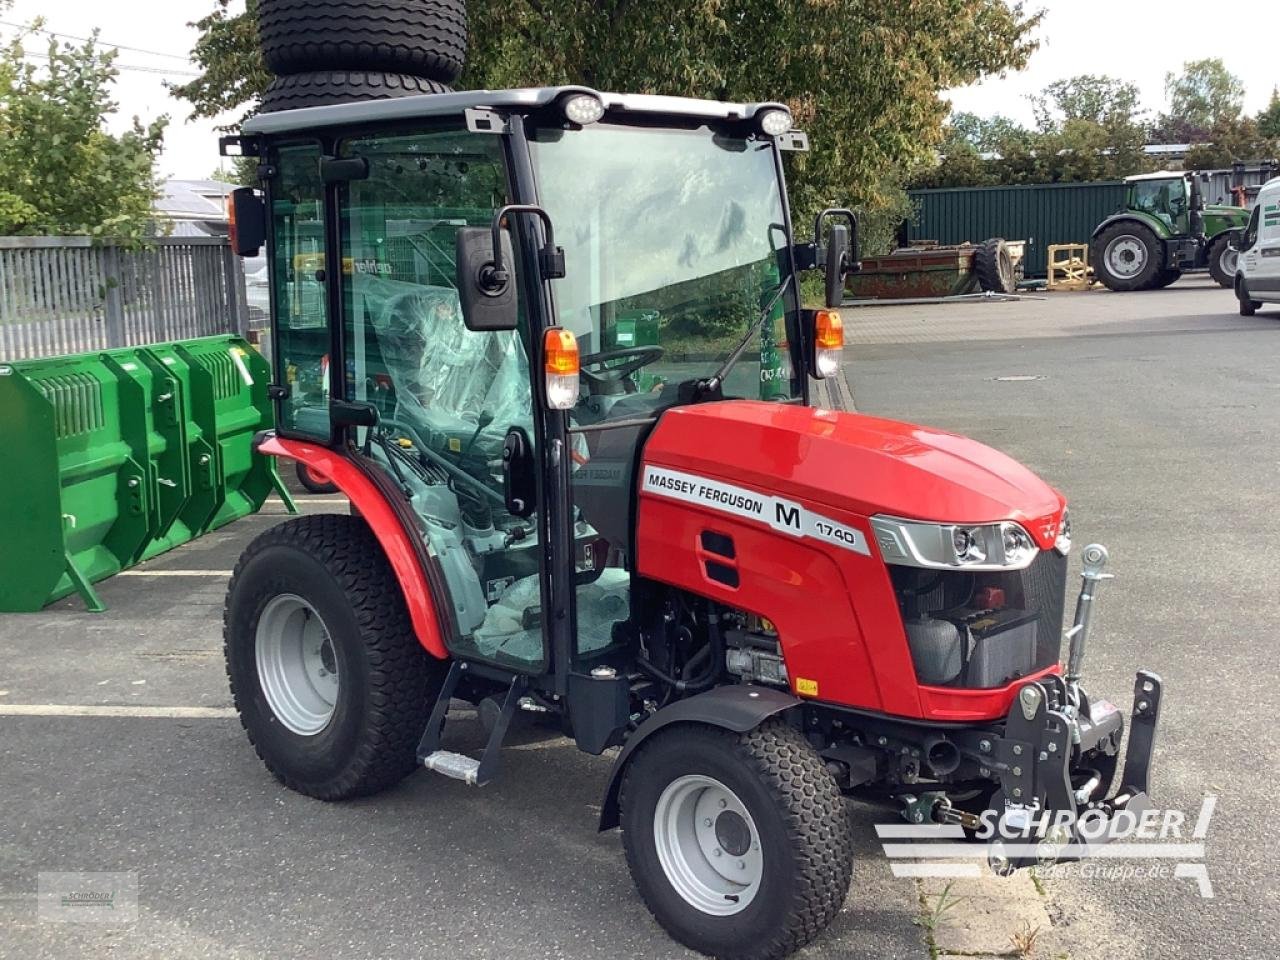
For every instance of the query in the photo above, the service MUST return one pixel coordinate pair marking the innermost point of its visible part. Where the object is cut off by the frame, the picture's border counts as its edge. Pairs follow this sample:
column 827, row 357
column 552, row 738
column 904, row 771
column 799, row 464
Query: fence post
column 113, row 283
column 237, row 297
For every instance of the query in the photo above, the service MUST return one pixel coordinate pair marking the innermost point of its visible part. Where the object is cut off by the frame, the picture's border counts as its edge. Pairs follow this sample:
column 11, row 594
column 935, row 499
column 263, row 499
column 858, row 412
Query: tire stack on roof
column 339, row 51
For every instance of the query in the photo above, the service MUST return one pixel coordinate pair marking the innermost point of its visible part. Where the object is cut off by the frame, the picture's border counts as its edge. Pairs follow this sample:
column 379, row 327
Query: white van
column 1258, row 267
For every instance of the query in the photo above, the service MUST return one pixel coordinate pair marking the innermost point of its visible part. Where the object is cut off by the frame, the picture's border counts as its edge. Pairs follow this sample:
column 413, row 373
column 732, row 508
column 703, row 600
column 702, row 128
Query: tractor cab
column 489, row 299
column 1166, row 196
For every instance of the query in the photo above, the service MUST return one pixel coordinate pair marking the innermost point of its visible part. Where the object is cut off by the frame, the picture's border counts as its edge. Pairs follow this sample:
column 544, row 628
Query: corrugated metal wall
column 1040, row 214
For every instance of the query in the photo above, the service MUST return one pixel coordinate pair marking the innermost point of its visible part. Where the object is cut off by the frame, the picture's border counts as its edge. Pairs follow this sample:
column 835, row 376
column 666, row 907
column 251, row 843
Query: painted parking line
column 174, row 573
column 91, row 710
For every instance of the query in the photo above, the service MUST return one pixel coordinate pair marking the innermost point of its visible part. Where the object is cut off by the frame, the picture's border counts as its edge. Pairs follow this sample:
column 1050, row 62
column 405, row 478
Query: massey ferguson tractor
column 550, row 344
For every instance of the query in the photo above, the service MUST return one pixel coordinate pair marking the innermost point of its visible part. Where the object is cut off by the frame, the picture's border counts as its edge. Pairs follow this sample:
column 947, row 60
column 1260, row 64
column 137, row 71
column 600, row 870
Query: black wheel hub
column 733, row 834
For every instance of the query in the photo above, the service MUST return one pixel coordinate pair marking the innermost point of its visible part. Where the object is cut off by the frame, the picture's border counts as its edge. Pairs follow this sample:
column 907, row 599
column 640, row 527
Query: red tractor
column 551, row 346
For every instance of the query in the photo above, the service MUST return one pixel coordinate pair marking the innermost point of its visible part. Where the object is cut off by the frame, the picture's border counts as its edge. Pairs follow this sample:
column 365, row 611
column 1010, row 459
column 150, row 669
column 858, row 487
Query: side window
column 302, row 323
column 1251, row 231
column 446, row 396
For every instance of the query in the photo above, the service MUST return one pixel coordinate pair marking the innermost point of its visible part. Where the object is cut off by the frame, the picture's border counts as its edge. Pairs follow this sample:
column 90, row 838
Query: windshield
column 671, row 241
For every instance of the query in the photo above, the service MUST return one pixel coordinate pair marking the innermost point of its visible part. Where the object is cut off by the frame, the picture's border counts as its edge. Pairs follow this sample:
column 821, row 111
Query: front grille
column 982, row 630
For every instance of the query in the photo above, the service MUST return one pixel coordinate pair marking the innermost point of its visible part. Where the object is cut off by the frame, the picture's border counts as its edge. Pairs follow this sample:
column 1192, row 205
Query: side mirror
column 352, row 414
column 246, row 222
column 837, row 263
column 841, row 254
column 519, row 474
column 486, row 284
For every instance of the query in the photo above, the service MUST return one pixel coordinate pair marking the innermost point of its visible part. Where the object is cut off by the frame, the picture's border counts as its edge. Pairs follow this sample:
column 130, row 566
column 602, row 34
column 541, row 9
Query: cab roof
column 454, row 104
column 1158, row 175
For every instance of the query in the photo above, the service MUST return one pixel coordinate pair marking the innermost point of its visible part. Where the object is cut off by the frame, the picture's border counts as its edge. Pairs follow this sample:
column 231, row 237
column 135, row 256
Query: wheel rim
column 1229, row 260
column 708, row 845
column 1126, row 256
column 297, row 665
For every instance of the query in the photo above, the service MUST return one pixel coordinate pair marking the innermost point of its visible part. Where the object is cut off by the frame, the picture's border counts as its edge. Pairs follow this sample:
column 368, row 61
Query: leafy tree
column 1269, row 119
column 1230, row 141
column 1088, row 128
column 1202, row 98
column 862, row 77
column 1101, row 100
column 60, row 171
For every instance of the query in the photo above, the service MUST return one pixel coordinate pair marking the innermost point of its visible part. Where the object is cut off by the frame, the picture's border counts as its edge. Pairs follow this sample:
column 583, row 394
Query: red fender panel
column 384, row 523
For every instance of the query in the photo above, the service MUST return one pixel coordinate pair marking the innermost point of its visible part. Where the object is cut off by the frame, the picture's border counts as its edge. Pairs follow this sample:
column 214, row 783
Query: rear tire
column 1128, row 256
column 994, row 267
column 325, row 88
column 425, row 38
column 362, row 735
column 793, row 848
column 1167, row 278
column 1222, row 261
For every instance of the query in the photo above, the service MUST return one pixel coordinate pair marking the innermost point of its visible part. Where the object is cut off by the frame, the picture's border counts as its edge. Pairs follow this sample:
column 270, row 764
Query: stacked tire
column 324, row 52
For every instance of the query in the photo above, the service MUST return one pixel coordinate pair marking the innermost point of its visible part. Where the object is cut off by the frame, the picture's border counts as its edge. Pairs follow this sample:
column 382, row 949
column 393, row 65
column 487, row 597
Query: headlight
column 940, row 546
column 582, row 109
column 775, row 121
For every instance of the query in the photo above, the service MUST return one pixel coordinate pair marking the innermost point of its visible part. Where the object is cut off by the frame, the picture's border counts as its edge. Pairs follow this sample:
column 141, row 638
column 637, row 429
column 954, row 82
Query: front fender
column 1154, row 224
column 736, row 708
column 384, row 523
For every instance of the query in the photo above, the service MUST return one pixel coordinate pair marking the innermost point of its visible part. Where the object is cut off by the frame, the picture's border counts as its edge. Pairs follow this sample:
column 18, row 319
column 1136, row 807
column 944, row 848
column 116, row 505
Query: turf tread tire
column 425, row 38
column 815, row 820
column 378, row 741
column 325, row 88
column 993, row 266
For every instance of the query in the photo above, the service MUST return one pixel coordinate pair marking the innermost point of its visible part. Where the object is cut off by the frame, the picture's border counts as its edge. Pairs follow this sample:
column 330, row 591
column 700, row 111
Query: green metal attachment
column 114, row 458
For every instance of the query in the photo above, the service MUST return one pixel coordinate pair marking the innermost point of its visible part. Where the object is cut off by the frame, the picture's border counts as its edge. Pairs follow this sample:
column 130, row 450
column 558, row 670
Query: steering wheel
column 608, row 380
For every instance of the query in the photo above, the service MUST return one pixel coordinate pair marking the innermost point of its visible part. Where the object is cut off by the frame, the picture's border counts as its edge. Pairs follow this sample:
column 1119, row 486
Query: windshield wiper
column 714, row 383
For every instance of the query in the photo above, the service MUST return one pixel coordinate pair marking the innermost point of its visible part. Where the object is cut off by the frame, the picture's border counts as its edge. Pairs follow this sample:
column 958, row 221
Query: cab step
column 456, row 765
column 459, row 766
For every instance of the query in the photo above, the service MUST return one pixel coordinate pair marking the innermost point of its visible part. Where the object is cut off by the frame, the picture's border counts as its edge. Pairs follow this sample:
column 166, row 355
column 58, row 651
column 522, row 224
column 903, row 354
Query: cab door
column 445, row 396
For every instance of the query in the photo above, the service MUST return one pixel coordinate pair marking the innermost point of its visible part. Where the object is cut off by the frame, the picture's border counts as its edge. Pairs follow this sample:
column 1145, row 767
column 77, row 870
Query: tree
column 1235, row 140
column 1269, row 119
column 1088, row 128
column 60, row 171
column 1101, row 100
column 860, row 76
column 1203, row 97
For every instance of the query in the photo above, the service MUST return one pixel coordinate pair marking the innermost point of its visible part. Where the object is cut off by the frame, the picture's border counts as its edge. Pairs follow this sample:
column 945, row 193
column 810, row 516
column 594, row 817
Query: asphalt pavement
column 1154, row 412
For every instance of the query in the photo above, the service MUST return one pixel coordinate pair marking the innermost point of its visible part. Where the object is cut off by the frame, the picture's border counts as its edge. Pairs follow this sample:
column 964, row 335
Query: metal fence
column 64, row 295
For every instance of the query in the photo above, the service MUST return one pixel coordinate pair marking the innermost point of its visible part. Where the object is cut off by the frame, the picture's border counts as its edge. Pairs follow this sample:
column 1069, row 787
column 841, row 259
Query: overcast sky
column 1138, row 41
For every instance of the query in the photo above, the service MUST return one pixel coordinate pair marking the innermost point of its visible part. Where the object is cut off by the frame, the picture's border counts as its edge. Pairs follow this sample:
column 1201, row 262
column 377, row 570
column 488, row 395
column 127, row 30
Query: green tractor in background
column 1164, row 229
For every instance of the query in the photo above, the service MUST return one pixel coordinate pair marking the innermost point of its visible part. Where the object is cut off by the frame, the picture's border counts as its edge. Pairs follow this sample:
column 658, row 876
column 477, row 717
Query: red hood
column 863, row 465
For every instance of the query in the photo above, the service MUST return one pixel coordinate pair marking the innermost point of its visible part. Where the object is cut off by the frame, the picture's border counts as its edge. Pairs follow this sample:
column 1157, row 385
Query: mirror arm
column 550, row 257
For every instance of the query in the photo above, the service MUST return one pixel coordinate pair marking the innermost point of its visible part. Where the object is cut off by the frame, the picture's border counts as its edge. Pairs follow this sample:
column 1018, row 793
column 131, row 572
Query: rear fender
column 1155, row 225
column 383, row 521
column 736, row 708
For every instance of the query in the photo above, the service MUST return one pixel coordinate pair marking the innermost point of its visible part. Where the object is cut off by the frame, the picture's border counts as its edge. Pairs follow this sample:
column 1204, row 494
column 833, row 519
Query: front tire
column 1248, row 307
column 740, row 845
column 1128, row 256
column 326, row 673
